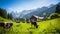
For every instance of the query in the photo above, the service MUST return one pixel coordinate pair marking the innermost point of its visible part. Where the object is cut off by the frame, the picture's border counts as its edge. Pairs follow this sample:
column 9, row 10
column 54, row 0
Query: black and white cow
column 6, row 24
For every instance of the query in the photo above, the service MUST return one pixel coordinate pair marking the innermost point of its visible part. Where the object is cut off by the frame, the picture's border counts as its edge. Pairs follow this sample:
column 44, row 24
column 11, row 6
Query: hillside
column 6, row 20
column 45, row 27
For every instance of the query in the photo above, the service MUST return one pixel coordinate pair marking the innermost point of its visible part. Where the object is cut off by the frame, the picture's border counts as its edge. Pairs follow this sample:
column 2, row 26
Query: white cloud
column 15, row 9
column 31, row 5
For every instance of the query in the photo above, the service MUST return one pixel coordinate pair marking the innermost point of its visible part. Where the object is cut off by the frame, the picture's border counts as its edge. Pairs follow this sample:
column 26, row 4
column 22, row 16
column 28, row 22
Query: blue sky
column 20, row 5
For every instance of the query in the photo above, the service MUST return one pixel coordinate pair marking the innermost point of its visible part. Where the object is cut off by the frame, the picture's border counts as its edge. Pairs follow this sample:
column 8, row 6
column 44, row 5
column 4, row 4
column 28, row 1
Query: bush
column 54, row 16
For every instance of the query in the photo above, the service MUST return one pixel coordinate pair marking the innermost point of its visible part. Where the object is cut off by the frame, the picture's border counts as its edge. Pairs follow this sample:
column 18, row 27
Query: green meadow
column 44, row 27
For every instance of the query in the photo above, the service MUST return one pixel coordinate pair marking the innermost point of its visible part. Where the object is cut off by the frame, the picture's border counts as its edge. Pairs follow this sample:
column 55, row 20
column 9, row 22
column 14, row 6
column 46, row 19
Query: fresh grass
column 44, row 27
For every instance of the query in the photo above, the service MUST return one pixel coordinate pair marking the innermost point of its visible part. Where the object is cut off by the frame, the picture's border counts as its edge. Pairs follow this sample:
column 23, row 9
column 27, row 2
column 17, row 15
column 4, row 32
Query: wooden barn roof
column 38, row 17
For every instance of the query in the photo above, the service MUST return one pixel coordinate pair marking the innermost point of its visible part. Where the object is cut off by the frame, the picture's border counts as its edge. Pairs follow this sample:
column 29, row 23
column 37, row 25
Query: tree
column 57, row 9
column 10, row 16
column 3, row 13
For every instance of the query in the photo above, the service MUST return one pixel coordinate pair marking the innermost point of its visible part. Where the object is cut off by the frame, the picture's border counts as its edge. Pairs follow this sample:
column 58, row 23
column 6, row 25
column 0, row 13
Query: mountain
column 51, row 5
column 15, row 14
column 43, row 12
column 36, row 12
column 25, row 12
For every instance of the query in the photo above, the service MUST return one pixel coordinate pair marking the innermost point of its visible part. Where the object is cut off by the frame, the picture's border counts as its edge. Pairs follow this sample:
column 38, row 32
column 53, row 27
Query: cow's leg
column 35, row 24
column 31, row 24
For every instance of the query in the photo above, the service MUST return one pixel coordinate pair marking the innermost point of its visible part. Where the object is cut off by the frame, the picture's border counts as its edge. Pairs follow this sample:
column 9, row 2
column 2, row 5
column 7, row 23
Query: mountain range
column 42, row 12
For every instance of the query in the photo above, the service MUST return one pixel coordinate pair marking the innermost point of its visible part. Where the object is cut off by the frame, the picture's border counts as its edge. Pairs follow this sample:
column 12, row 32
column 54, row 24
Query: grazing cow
column 35, row 24
column 33, row 21
column 6, row 24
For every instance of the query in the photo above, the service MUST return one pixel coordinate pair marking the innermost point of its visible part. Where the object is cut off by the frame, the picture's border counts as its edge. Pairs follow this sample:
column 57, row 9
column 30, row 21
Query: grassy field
column 44, row 27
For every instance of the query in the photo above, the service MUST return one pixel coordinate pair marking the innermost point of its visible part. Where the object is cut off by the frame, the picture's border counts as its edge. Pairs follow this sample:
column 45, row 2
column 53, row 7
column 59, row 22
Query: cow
column 33, row 21
column 6, row 24
column 35, row 24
